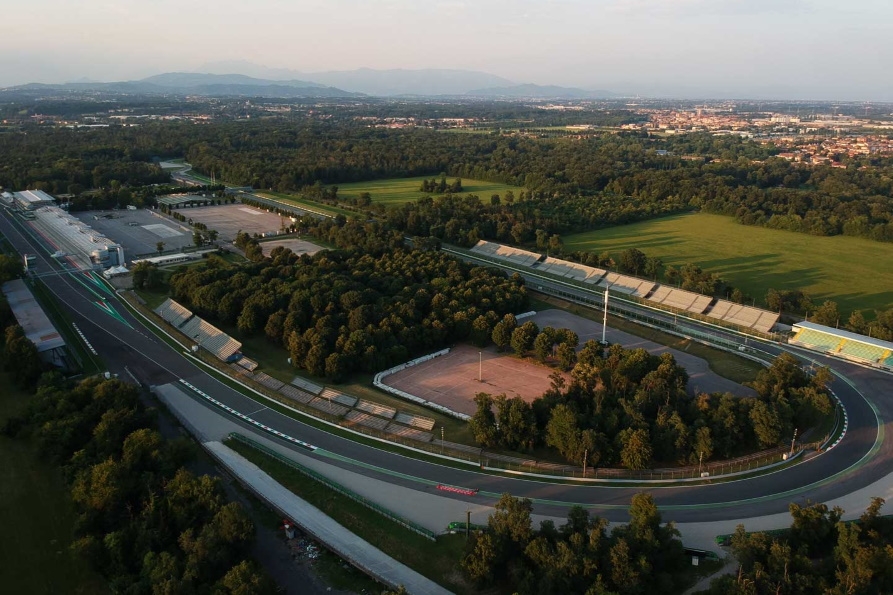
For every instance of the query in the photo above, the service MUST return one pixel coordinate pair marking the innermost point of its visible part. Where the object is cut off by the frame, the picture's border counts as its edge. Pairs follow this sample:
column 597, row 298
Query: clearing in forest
column 397, row 191
column 855, row 272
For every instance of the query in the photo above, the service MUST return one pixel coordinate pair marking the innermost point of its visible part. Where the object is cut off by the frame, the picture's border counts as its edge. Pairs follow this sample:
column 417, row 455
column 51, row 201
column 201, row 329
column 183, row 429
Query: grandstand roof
column 34, row 198
column 31, row 317
column 175, row 200
column 830, row 330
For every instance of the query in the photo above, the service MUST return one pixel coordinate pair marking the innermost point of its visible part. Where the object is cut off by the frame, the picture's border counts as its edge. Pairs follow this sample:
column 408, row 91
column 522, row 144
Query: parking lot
column 228, row 220
column 138, row 231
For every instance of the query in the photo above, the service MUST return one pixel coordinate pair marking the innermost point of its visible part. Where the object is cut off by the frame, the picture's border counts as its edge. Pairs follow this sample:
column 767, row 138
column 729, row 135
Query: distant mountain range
column 530, row 91
column 261, row 81
column 211, row 85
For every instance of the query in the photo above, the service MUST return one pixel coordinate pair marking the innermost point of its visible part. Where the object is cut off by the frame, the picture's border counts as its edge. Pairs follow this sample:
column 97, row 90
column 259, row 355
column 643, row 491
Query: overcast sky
column 685, row 48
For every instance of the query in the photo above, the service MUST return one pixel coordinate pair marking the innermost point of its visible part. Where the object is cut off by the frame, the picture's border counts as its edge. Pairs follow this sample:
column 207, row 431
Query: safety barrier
column 415, row 528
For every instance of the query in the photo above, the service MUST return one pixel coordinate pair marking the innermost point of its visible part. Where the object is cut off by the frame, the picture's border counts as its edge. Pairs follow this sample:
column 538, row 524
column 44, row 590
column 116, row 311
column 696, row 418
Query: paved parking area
column 229, row 220
column 138, row 231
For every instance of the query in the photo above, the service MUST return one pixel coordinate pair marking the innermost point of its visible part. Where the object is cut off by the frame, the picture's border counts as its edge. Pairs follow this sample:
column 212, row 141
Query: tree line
column 628, row 407
column 581, row 556
column 145, row 522
column 818, row 554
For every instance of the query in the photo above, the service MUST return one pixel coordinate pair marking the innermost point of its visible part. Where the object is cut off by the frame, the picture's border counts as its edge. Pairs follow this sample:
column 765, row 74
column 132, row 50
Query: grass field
column 856, row 273
column 397, row 191
column 37, row 518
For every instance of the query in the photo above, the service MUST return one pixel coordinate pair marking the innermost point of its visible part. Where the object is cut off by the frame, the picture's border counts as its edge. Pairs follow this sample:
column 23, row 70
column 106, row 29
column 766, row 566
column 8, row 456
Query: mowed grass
column 37, row 517
column 856, row 273
column 398, row 191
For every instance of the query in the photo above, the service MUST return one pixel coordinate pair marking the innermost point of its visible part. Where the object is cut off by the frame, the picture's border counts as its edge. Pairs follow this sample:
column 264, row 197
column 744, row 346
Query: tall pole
column 700, row 459
column 480, row 366
column 467, row 523
column 441, row 439
column 585, row 456
column 605, row 320
column 793, row 440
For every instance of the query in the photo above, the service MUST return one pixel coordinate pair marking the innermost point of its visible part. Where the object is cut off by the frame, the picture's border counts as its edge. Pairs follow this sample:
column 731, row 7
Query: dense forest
column 628, row 407
column 818, row 554
column 574, row 183
column 144, row 522
column 581, row 556
column 368, row 307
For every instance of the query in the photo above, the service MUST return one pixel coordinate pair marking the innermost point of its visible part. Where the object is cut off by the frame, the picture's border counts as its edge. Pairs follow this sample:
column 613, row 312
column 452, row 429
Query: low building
column 34, row 322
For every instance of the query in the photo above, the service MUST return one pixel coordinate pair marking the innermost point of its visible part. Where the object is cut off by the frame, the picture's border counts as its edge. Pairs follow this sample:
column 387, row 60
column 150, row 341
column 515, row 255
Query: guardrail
column 392, row 516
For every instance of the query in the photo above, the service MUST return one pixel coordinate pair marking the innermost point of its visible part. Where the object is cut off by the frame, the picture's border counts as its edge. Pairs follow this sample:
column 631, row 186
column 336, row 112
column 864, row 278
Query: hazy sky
column 716, row 48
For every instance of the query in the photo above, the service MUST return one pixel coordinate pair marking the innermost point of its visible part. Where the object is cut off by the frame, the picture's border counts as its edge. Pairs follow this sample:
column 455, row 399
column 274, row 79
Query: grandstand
column 173, row 313
column 677, row 299
column 211, row 338
column 843, row 344
column 33, row 199
column 336, row 397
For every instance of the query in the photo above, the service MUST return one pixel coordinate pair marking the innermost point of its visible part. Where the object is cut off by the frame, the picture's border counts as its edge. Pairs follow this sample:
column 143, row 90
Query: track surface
column 862, row 457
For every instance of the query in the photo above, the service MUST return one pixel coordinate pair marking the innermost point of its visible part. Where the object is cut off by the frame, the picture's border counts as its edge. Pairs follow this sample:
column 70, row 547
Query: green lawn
column 37, row 518
column 397, row 191
column 856, row 273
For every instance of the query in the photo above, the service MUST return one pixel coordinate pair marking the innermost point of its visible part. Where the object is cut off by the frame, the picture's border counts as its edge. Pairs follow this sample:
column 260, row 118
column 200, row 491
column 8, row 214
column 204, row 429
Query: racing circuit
column 129, row 348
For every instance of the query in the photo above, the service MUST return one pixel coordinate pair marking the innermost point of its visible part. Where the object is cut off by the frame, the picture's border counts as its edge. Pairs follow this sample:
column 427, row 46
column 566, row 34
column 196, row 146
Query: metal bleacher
column 417, row 421
column 173, row 313
column 411, row 433
column 376, row 409
column 306, row 385
column 296, row 394
column 843, row 343
column 365, row 419
column 337, row 397
column 329, row 407
column 268, row 381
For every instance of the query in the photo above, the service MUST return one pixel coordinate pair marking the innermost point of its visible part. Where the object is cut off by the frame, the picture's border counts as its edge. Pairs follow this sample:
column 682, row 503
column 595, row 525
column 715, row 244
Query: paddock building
column 34, row 322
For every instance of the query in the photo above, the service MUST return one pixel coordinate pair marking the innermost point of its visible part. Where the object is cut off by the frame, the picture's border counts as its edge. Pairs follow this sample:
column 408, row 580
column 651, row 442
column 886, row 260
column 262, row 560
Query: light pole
column 605, row 319
column 793, row 440
column 700, row 459
column 480, row 366
column 441, row 440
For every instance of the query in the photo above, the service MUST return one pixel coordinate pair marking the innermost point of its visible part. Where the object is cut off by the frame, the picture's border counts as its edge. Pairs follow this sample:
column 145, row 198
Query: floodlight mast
column 605, row 321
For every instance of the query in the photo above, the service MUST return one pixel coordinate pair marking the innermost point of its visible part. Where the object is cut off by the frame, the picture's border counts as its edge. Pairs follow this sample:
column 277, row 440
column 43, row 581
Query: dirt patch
column 452, row 380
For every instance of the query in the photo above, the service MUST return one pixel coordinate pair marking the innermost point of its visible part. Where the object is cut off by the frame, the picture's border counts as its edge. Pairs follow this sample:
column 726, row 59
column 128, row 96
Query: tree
column 21, row 359
column 653, row 266
column 159, row 247
column 567, row 356
column 632, row 260
column 636, row 448
column 213, row 235
column 10, row 268
column 827, row 314
column 563, row 432
column 523, row 337
column 483, row 422
column 517, row 425
column 502, row 332
column 197, row 238
column 766, row 424
column 543, row 343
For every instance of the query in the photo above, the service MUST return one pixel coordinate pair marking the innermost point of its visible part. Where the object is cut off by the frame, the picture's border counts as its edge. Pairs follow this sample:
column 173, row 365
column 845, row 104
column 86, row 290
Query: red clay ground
column 451, row 380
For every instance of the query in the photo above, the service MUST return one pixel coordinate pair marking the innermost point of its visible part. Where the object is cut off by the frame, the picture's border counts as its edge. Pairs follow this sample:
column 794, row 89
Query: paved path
column 347, row 545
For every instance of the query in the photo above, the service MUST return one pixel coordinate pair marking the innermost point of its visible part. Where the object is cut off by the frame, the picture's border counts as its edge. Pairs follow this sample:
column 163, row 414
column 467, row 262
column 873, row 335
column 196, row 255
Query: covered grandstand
column 843, row 344
column 34, row 322
column 33, row 199
column 206, row 335
column 177, row 201
column 664, row 296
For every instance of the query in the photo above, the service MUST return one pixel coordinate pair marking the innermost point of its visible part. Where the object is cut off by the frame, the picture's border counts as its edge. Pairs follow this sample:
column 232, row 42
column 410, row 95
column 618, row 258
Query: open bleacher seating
column 888, row 362
column 268, row 381
column 411, row 433
column 337, row 397
column 173, row 313
column 239, row 370
column 296, row 394
column 365, row 419
column 417, row 421
column 329, row 407
column 210, row 338
column 862, row 351
column 817, row 340
column 376, row 409
column 306, row 385
column 248, row 364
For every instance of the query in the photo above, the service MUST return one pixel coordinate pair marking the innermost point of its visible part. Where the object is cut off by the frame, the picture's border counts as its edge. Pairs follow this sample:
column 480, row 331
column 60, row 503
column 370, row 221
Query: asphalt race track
column 861, row 458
